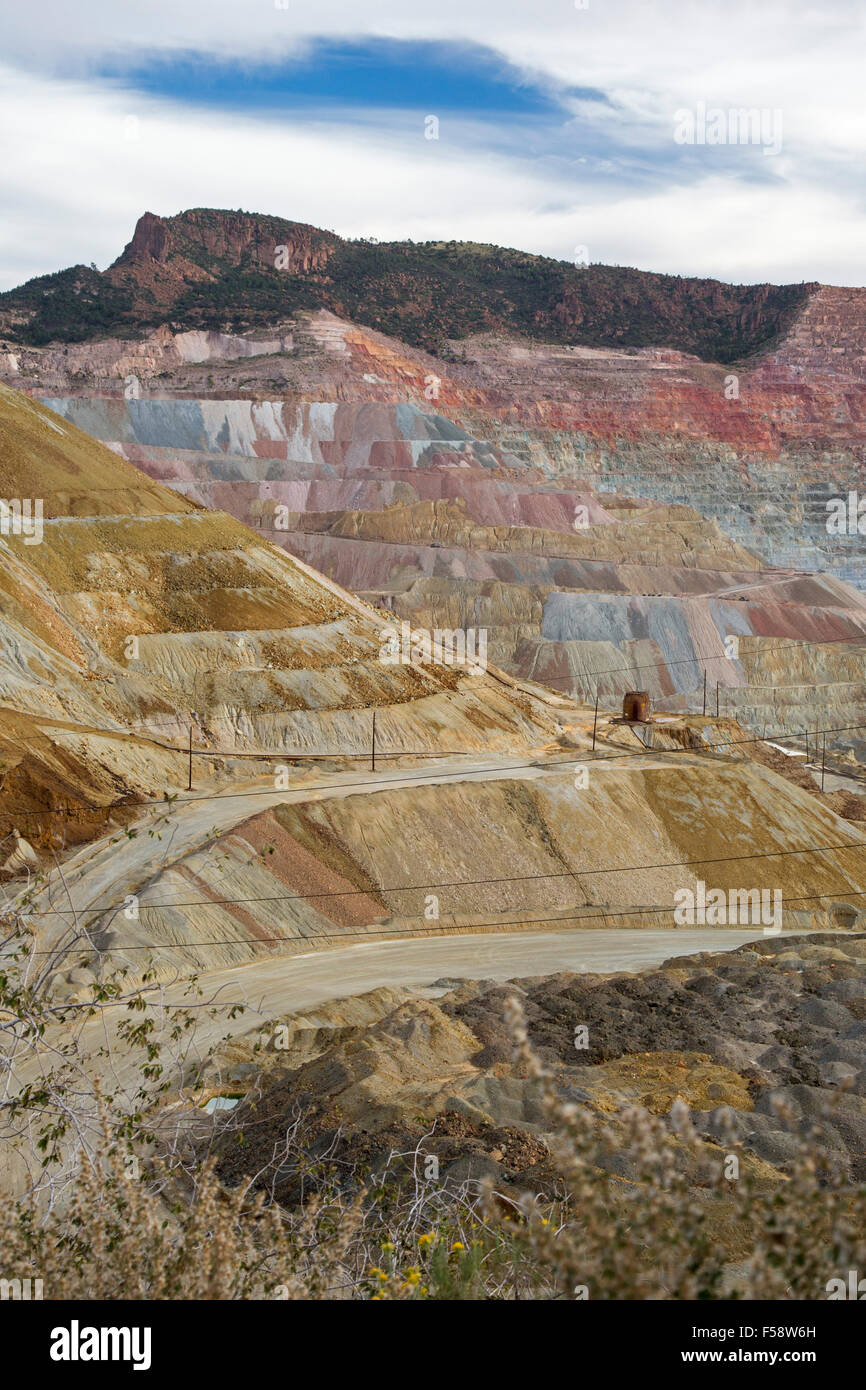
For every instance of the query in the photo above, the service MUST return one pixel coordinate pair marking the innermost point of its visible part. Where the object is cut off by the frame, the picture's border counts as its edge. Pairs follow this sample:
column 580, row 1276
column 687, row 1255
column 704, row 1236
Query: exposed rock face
column 150, row 239
column 138, row 615
column 448, row 491
column 226, row 237
column 760, row 447
column 532, row 850
column 140, row 619
column 447, row 529
column 825, row 342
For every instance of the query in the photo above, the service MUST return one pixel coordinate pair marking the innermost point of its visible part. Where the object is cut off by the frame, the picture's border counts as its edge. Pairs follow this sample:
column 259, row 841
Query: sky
column 692, row 138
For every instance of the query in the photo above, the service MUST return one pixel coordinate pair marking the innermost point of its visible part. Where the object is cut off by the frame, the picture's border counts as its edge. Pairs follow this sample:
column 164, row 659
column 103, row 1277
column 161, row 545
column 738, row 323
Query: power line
column 537, row 554
column 576, row 874
column 406, row 933
column 461, row 882
column 701, row 657
column 154, row 484
column 697, row 659
column 411, row 774
column 296, row 756
column 291, row 756
column 151, row 483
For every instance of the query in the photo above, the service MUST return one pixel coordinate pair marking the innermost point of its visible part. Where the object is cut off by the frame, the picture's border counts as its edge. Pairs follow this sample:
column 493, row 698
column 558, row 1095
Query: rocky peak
column 207, row 236
column 150, row 239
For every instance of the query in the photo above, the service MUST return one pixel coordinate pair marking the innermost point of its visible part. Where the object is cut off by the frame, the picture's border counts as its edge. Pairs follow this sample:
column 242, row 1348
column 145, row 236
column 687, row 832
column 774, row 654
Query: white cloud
column 73, row 183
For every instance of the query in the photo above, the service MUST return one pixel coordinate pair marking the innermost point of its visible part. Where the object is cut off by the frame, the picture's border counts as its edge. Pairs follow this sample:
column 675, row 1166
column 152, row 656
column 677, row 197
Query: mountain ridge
column 224, row 270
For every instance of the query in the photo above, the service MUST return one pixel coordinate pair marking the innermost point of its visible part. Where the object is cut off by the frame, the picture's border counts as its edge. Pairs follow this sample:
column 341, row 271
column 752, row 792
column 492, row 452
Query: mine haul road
column 277, row 987
column 293, row 984
column 99, row 876
column 105, row 871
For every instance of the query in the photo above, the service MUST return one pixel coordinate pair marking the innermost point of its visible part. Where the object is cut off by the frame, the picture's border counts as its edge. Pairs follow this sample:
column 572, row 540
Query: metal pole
column 189, row 788
column 595, row 719
column 717, row 699
column 373, row 761
column 823, row 751
column 705, row 692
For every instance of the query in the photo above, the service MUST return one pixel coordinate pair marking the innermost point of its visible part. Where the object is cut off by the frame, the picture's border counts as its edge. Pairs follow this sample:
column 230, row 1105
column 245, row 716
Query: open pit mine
column 614, row 517
column 232, row 754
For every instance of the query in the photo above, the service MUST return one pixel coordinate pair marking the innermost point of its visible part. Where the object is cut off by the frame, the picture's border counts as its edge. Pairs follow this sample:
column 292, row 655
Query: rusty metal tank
column 636, row 707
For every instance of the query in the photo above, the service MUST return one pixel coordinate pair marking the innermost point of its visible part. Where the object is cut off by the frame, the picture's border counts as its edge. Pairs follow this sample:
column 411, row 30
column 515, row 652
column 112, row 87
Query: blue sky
column 334, row 74
column 557, row 126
